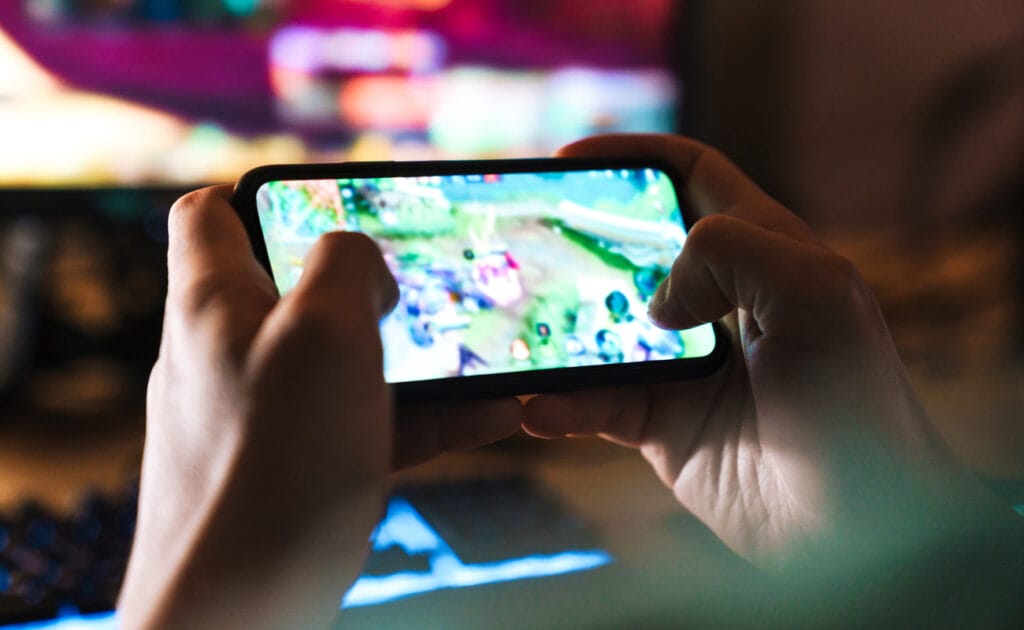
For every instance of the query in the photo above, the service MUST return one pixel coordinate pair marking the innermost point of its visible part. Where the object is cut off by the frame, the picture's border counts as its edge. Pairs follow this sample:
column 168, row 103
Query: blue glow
column 96, row 621
column 377, row 590
column 404, row 526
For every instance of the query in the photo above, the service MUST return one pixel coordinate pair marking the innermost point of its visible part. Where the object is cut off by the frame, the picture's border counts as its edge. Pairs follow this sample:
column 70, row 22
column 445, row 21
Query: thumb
column 730, row 263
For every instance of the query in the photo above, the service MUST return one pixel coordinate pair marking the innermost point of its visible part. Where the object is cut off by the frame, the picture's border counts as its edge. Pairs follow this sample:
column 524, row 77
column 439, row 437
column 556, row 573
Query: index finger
column 207, row 237
column 712, row 184
column 212, row 274
column 425, row 431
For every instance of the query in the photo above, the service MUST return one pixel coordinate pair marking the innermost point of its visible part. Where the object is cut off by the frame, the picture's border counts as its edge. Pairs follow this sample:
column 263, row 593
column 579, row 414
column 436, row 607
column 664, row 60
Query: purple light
column 314, row 50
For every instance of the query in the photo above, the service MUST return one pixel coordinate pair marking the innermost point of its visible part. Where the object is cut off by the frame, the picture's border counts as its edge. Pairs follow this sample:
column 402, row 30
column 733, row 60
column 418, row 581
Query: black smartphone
column 516, row 276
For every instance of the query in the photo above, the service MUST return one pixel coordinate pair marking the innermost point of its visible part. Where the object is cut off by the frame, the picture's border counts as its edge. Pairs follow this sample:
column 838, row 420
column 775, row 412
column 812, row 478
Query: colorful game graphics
column 501, row 272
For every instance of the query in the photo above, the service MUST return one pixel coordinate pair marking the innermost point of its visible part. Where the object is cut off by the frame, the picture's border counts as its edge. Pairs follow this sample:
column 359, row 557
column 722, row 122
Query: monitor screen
column 126, row 103
column 148, row 92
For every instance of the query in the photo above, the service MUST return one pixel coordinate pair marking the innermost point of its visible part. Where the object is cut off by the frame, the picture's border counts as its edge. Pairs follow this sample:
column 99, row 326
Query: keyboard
column 51, row 563
column 435, row 535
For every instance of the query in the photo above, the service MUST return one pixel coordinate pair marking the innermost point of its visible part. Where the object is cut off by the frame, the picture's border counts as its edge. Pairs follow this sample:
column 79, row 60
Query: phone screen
column 501, row 272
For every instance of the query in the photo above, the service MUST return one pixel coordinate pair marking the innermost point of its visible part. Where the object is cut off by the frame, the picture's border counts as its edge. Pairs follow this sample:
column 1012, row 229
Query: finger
column 319, row 350
column 207, row 239
column 346, row 279
column 619, row 413
column 728, row 263
column 329, row 323
column 216, row 288
column 666, row 421
column 712, row 184
column 664, row 415
column 424, row 431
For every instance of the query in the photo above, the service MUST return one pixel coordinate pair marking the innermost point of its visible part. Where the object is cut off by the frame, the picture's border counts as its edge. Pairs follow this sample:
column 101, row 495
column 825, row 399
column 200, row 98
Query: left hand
column 269, row 430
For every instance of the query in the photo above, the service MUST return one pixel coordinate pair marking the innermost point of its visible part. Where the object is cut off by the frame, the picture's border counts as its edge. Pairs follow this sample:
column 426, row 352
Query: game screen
column 501, row 272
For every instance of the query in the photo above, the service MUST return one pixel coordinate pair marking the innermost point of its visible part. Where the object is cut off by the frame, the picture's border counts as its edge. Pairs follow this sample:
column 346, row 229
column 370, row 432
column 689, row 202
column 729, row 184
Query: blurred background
column 895, row 129
column 897, row 132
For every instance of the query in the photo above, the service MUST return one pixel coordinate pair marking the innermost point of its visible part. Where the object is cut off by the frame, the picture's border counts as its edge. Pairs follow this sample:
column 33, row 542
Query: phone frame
column 541, row 381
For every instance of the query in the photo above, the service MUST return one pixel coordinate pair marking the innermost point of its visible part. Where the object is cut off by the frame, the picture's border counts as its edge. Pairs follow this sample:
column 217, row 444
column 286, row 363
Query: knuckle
column 220, row 310
column 196, row 296
column 321, row 324
column 843, row 274
column 217, row 299
column 186, row 205
column 845, row 270
column 707, row 234
column 189, row 206
column 208, row 290
column 183, row 203
column 840, row 283
column 317, row 345
column 712, row 154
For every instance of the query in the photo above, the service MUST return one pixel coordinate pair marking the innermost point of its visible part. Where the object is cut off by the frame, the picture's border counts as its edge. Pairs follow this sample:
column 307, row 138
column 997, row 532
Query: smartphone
column 516, row 276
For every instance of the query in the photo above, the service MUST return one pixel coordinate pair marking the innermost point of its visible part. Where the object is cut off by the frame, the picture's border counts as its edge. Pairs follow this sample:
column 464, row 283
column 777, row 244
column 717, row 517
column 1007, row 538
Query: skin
column 748, row 450
column 263, row 408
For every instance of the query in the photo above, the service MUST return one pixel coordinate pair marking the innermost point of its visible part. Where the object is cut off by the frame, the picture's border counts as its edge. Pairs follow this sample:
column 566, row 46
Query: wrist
column 254, row 566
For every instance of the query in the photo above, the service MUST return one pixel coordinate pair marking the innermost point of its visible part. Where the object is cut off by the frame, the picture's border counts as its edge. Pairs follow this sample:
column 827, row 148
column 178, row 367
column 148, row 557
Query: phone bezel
column 507, row 383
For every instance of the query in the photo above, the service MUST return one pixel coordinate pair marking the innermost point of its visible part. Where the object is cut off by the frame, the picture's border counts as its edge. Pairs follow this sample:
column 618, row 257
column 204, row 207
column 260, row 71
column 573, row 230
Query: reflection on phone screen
column 501, row 272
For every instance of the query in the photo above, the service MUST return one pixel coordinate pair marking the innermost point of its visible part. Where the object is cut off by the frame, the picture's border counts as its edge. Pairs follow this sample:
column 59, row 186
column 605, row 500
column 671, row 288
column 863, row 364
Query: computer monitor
column 144, row 92
column 109, row 110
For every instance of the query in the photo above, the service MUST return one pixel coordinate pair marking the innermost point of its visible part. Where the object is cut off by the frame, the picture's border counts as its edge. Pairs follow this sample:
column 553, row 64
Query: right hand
column 749, row 450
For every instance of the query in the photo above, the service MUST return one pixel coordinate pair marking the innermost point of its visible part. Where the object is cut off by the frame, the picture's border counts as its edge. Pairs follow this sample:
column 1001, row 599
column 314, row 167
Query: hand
column 749, row 450
column 269, row 431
